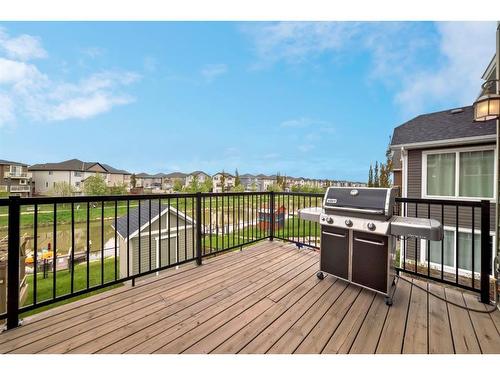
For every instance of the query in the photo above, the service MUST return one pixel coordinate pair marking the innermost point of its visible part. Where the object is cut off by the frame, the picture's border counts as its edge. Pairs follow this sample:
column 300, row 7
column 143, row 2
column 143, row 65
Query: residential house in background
column 446, row 155
column 264, row 181
column 250, row 182
column 200, row 175
column 74, row 172
column 170, row 179
column 223, row 181
column 15, row 178
column 144, row 180
column 174, row 243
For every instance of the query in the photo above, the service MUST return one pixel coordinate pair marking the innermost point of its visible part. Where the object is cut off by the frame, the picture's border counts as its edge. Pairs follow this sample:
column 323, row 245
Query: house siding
column 447, row 216
column 182, row 246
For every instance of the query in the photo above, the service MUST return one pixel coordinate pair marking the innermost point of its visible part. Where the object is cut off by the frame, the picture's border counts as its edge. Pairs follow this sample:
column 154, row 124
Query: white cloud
column 85, row 106
column 6, row 110
column 402, row 54
column 213, row 71
column 23, row 47
column 93, row 52
column 465, row 48
column 27, row 92
column 303, row 122
column 12, row 71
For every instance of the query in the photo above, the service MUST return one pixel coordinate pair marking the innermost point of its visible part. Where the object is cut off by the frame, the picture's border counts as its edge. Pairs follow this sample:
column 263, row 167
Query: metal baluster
column 35, row 246
column 72, row 247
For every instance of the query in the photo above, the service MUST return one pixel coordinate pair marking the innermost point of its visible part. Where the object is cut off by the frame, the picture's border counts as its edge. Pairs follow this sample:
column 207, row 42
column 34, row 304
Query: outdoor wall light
column 487, row 107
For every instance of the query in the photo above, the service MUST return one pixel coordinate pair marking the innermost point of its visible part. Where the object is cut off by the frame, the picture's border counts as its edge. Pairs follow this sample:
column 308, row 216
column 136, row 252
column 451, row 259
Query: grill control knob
column 348, row 222
column 371, row 226
column 329, row 220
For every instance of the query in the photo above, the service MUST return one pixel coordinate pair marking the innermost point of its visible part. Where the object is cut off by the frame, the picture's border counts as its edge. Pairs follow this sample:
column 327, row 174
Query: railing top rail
column 446, row 202
column 300, row 194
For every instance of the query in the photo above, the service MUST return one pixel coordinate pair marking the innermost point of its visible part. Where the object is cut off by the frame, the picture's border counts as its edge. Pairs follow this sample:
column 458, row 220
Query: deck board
column 264, row 299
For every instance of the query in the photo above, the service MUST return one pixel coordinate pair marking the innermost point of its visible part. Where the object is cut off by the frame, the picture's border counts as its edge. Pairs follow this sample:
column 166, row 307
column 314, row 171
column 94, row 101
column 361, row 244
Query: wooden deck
column 265, row 299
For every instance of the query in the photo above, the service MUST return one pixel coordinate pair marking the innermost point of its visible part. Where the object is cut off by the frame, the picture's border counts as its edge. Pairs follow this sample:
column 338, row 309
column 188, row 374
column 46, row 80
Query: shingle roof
column 121, row 222
column 74, row 165
column 175, row 175
column 197, row 173
column 449, row 124
column 11, row 162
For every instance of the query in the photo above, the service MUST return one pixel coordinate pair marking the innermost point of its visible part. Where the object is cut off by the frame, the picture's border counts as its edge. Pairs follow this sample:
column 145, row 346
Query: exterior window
column 77, row 184
column 449, row 250
column 460, row 174
column 77, row 174
column 50, row 173
column 441, row 174
column 46, row 184
column 476, row 174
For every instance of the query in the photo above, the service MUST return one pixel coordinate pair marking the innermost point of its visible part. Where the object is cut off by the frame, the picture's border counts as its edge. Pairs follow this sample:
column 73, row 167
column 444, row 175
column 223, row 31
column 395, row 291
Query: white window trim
column 449, row 269
column 457, row 152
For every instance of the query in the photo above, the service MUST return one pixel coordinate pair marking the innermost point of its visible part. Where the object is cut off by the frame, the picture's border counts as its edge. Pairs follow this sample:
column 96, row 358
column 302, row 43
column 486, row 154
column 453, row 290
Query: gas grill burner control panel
column 355, row 223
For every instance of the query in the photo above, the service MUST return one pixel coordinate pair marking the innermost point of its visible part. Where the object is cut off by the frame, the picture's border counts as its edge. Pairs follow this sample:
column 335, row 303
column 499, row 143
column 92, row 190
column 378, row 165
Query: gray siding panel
column 447, row 217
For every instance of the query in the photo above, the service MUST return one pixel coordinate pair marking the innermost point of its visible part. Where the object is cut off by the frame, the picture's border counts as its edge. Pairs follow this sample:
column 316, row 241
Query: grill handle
column 369, row 242
column 352, row 209
column 334, row 234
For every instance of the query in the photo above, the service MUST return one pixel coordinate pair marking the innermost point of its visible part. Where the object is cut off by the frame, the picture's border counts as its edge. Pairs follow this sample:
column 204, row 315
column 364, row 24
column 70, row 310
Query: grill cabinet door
column 369, row 260
column 335, row 251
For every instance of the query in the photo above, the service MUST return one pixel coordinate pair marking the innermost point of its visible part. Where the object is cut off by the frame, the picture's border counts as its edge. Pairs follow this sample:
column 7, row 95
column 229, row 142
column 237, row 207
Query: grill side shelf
column 428, row 229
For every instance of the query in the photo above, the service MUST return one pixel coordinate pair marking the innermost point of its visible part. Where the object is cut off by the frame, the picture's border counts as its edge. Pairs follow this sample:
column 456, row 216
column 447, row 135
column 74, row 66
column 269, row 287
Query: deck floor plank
column 263, row 299
column 392, row 336
column 416, row 335
column 464, row 336
column 440, row 337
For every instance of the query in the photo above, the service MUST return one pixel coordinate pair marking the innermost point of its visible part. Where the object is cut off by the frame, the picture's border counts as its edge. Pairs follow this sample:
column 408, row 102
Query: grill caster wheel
column 320, row 275
column 388, row 301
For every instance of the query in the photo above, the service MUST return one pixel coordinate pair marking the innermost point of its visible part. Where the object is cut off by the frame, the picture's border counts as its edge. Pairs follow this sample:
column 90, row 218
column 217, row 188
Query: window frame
column 457, row 152
column 449, row 269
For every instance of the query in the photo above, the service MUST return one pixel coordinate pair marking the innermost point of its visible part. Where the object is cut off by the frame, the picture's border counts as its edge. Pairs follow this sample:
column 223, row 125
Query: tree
column 386, row 169
column 194, row 185
column 177, row 186
column 239, row 188
column 223, row 181
column 253, row 187
column 376, row 176
column 62, row 189
column 370, row 176
column 207, row 185
column 133, row 180
column 237, row 180
column 118, row 189
column 95, row 185
column 274, row 187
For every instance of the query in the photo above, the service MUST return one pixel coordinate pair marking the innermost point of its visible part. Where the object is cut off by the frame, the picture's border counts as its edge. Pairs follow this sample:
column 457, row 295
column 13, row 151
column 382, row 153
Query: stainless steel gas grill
column 358, row 235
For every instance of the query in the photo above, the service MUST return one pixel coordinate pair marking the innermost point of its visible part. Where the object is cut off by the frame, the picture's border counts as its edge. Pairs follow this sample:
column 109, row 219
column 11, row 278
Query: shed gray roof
column 449, row 124
column 121, row 222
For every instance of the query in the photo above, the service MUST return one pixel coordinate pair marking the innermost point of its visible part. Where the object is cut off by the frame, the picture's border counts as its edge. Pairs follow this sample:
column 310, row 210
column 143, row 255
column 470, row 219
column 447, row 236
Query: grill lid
column 368, row 200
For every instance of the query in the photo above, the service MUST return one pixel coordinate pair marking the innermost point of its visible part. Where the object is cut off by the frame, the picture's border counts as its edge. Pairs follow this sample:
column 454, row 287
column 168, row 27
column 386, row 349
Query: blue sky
column 304, row 99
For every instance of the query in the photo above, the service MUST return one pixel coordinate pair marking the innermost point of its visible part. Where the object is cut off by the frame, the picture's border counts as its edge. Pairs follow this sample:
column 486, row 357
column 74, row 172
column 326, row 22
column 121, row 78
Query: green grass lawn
column 63, row 281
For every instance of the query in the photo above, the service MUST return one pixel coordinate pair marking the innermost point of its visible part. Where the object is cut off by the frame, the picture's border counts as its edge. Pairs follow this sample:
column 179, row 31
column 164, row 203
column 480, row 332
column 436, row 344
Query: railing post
column 198, row 229
column 485, row 251
column 13, row 263
column 271, row 215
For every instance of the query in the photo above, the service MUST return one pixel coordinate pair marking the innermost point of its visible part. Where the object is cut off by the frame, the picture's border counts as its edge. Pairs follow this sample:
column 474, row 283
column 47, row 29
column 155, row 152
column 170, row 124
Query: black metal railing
column 87, row 243
column 83, row 244
column 288, row 226
column 464, row 257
